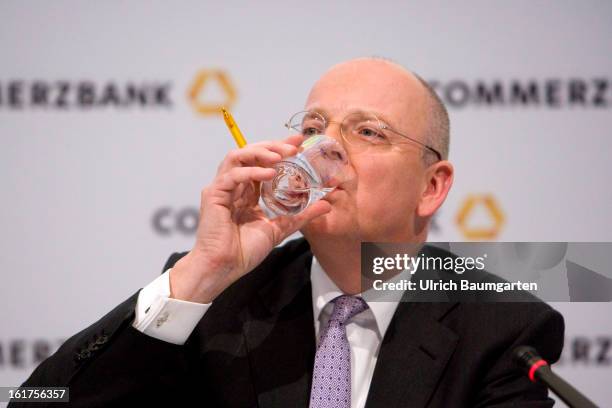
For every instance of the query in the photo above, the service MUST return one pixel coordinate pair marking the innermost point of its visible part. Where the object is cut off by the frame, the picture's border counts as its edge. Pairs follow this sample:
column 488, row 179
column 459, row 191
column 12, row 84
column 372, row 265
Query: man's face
column 380, row 202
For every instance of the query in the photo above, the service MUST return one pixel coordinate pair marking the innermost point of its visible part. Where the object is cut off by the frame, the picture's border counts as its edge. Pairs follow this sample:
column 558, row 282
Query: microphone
column 539, row 370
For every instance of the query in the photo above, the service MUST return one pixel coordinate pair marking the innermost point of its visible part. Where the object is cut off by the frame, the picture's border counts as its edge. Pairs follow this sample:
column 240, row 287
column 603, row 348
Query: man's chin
column 319, row 225
column 330, row 224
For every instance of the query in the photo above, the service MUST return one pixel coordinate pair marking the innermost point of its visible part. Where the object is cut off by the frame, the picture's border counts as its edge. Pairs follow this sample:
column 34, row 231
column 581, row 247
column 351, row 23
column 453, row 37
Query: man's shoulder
column 484, row 286
column 488, row 310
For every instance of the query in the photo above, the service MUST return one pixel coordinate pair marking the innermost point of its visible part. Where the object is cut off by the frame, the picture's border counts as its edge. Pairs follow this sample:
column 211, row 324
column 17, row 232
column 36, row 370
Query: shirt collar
column 324, row 290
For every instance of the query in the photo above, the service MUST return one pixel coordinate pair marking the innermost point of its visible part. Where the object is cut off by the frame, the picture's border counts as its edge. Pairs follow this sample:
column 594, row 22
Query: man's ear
column 438, row 181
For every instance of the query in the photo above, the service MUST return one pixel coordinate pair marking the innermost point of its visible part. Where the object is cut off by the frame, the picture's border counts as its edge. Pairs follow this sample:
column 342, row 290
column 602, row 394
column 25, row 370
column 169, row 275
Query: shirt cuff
column 164, row 318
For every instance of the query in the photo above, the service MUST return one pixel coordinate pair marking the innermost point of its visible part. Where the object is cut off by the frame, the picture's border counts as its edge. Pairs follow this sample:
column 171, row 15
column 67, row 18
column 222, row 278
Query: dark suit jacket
column 256, row 344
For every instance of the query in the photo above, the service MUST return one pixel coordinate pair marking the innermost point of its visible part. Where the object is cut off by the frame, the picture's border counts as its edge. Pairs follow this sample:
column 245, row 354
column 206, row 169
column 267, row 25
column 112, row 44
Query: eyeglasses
column 361, row 130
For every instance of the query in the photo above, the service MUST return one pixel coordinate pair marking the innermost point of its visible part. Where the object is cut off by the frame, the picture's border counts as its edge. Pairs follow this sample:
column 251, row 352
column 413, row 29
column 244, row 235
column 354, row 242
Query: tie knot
column 346, row 307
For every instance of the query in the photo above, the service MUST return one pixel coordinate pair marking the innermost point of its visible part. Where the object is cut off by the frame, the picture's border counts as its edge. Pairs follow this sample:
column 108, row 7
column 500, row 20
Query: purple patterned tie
column 331, row 380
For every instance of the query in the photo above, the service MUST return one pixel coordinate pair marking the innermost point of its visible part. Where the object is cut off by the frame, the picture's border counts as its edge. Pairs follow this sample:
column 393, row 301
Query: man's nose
column 334, row 130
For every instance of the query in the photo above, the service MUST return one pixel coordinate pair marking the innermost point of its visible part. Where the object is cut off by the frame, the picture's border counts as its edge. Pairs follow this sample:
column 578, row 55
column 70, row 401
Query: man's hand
column 233, row 235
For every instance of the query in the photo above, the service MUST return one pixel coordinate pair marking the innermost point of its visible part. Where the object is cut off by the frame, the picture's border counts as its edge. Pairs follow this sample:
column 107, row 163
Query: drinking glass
column 320, row 165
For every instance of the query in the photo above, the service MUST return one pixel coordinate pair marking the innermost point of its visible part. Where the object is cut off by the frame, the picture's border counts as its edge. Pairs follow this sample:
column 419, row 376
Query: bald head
column 438, row 133
column 386, row 83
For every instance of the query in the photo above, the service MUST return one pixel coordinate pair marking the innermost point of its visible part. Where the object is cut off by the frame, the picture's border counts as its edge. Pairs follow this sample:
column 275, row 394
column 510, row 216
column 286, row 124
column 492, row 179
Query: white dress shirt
column 173, row 320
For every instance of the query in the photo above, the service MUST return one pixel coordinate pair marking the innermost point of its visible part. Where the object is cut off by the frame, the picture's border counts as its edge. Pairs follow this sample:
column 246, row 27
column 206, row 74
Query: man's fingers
column 249, row 156
column 317, row 209
column 260, row 154
column 294, row 140
column 289, row 224
column 285, row 147
column 230, row 180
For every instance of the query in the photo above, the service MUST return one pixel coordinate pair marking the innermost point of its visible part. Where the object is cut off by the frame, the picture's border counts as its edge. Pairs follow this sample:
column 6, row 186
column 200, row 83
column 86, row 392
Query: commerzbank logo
column 208, row 91
column 211, row 90
column 480, row 217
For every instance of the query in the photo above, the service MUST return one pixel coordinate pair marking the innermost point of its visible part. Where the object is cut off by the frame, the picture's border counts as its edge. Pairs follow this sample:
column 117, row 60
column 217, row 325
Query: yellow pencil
column 233, row 128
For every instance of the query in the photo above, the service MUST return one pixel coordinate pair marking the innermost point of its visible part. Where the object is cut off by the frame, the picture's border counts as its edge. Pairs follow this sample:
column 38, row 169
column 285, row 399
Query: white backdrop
column 99, row 187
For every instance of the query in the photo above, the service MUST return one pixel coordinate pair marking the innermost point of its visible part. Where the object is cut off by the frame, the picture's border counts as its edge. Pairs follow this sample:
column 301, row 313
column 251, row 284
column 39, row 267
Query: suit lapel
column 412, row 357
column 280, row 338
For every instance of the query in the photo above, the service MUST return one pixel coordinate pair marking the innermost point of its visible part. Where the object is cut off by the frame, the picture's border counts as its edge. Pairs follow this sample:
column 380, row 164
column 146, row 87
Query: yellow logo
column 494, row 214
column 205, row 78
